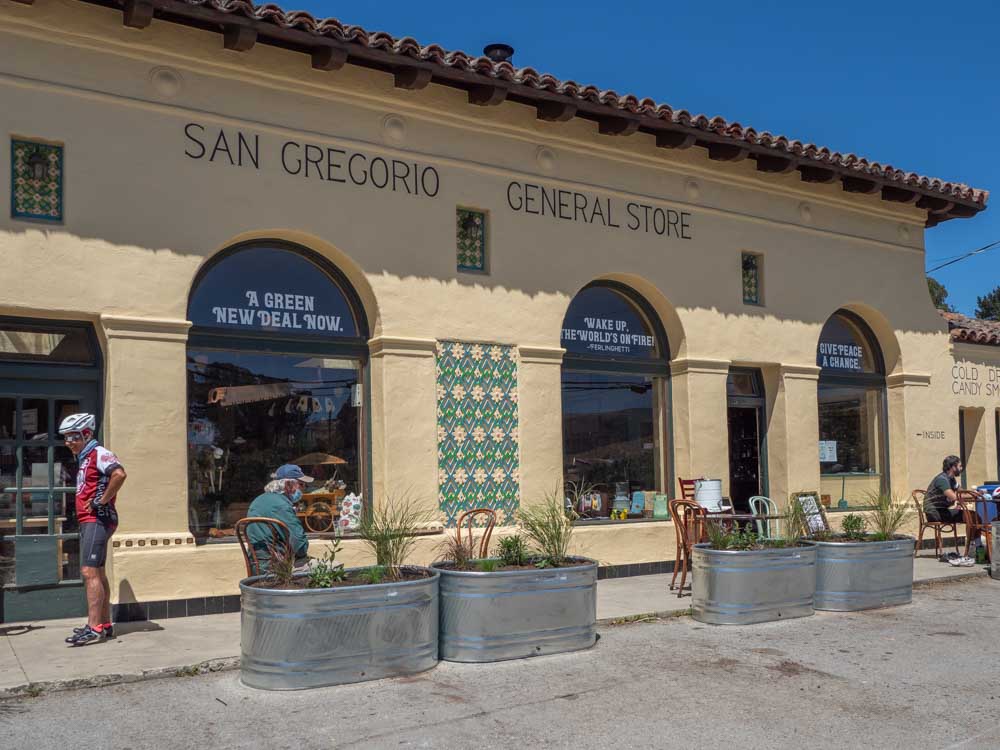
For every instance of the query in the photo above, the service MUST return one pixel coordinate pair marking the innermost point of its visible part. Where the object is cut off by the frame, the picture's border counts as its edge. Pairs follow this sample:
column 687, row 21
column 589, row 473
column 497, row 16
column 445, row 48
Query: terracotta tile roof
column 527, row 84
column 972, row 330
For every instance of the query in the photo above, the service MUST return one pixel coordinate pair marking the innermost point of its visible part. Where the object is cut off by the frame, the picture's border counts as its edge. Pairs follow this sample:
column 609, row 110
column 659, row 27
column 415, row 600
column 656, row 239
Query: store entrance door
column 747, row 457
column 39, row 539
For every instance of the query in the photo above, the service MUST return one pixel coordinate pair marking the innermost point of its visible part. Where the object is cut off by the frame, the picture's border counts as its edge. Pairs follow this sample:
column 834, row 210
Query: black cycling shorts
column 94, row 539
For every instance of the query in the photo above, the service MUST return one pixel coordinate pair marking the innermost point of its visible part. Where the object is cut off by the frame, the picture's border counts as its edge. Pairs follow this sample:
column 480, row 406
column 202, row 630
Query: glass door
column 747, row 463
column 39, row 535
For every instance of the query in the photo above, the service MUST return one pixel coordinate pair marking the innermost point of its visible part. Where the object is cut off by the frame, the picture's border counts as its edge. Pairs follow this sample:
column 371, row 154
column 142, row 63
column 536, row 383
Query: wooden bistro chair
column 469, row 519
column 689, row 526
column 687, row 487
column 937, row 527
column 279, row 538
column 974, row 525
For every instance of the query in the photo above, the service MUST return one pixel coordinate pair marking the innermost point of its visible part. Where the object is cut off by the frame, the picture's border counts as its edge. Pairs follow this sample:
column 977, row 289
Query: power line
column 982, row 249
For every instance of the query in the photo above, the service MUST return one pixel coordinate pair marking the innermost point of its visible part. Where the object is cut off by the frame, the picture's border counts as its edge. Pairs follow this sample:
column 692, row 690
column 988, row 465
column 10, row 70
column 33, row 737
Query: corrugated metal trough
column 851, row 576
column 513, row 614
column 732, row 587
column 309, row 638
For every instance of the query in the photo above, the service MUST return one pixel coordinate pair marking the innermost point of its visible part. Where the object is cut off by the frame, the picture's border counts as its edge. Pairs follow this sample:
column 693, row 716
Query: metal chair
column 935, row 526
column 470, row 516
column 689, row 526
column 279, row 537
column 765, row 506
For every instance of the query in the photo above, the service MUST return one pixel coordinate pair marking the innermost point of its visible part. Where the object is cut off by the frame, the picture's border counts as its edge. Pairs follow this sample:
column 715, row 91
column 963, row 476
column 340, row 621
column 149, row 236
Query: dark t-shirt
column 935, row 499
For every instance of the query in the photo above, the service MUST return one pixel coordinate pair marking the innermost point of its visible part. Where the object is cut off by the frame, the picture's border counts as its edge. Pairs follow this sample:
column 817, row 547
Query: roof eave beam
column 774, row 164
column 329, row 58
column 617, row 125
column 727, row 152
column 238, row 37
column 675, row 139
column 488, row 94
column 819, row 175
column 137, row 14
column 899, row 195
column 859, row 185
column 412, row 78
column 555, row 111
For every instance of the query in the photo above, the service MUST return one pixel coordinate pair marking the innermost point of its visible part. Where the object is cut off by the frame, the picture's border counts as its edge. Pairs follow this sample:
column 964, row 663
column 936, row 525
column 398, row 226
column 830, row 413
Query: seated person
column 278, row 502
column 939, row 502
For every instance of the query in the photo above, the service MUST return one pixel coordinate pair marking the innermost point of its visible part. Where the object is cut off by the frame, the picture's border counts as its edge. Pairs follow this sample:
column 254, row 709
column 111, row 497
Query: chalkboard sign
column 814, row 514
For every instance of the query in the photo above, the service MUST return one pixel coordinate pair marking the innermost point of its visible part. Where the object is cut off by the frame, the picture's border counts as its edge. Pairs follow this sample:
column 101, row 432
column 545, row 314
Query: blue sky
column 913, row 84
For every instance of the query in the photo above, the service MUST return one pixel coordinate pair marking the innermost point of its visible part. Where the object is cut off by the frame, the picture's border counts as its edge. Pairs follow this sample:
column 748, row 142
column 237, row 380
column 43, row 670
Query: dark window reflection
column 248, row 413
column 609, row 432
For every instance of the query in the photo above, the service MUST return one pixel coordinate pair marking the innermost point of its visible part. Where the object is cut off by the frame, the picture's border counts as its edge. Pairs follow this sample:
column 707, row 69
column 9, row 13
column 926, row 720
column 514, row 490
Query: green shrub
column 325, row 571
column 549, row 527
column 373, row 575
column 487, row 566
column 854, row 526
column 888, row 515
column 281, row 565
column 513, row 550
column 390, row 530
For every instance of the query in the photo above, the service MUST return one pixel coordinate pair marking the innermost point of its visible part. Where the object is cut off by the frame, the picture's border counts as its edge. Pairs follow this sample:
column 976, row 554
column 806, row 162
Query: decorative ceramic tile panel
column 36, row 180
column 470, row 239
column 477, row 416
column 751, row 279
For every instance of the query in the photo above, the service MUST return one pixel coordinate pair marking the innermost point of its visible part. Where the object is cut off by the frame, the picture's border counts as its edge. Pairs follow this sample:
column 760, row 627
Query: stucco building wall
column 147, row 206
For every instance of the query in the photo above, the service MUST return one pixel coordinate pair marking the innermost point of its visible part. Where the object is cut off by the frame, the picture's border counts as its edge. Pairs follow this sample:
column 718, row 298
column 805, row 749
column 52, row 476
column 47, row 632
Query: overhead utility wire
column 983, row 249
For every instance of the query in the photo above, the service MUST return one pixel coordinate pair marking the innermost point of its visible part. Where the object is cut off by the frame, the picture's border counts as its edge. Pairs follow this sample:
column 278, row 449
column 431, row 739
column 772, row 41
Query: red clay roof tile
column 972, row 330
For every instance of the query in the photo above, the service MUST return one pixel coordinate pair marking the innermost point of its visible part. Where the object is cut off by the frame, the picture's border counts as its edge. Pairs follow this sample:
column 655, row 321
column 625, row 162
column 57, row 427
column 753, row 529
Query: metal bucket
column 731, row 587
column 995, row 550
column 314, row 637
column 513, row 614
column 863, row 575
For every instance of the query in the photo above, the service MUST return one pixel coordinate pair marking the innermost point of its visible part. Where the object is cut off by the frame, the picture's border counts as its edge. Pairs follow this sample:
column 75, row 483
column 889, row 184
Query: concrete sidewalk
column 34, row 658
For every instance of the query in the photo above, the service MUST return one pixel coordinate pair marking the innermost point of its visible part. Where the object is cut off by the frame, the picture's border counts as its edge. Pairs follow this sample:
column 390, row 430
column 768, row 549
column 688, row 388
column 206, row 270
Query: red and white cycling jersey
column 91, row 481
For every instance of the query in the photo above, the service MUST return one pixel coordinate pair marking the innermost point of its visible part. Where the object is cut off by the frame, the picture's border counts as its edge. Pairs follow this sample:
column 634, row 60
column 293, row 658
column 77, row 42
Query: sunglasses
column 72, row 437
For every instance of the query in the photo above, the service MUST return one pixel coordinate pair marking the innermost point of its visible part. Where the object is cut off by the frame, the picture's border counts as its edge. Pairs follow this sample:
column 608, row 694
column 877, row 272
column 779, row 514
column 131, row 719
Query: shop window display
column 614, row 381
column 851, row 395
column 276, row 365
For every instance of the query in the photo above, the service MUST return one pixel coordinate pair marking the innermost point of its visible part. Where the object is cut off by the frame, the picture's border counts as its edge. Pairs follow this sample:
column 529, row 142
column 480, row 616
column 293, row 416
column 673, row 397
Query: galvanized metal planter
column 863, row 575
column 731, row 587
column 314, row 637
column 513, row 614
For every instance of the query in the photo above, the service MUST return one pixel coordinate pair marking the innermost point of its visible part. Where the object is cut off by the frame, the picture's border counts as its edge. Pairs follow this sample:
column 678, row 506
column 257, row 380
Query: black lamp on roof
column 498, row 52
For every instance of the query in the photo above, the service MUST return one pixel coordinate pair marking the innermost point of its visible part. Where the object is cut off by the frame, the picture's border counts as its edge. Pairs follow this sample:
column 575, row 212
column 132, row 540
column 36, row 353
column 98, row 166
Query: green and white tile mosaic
column 36, row 180
column 477, row 423
column 470, row 227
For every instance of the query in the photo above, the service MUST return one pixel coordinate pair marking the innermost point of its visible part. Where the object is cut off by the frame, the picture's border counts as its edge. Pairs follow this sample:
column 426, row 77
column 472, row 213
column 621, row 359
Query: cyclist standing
column 99, row 477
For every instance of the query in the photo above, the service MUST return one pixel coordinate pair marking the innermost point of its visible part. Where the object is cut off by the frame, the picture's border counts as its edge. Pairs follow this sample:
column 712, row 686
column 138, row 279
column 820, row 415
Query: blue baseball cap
column 291, row 471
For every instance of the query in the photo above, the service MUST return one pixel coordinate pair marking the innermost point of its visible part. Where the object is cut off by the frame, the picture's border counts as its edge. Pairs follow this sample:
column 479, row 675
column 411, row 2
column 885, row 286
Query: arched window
column 852, row 418
column 276, row 361
column 615, row 378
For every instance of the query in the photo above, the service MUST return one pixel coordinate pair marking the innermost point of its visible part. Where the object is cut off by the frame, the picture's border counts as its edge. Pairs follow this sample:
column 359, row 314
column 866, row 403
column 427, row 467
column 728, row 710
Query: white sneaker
column 968, row 562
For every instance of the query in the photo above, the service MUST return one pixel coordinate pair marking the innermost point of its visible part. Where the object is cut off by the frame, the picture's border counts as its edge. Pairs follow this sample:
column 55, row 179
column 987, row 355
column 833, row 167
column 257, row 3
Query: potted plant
column 530, row 598
column 332, row 626
column 739, row 578
column 868, row 564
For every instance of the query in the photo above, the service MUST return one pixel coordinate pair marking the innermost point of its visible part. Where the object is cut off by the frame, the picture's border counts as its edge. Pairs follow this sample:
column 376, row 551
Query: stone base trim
column 150, row 541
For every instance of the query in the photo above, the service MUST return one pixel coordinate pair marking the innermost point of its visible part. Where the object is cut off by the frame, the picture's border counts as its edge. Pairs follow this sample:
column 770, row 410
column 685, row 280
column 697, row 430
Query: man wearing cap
column 278, row 502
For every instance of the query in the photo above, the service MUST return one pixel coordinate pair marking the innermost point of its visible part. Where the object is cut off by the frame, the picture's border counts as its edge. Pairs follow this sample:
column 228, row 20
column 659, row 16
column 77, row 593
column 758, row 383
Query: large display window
column 615, row 384
column 852, row 412
column 276, row 374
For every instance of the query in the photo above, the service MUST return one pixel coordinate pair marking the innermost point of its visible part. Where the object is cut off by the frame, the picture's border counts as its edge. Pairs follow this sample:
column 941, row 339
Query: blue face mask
column 296, row 496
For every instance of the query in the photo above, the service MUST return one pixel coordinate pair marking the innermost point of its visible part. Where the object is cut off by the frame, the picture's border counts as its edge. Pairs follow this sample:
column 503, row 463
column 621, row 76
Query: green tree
column 939, row 295
column 988, row 307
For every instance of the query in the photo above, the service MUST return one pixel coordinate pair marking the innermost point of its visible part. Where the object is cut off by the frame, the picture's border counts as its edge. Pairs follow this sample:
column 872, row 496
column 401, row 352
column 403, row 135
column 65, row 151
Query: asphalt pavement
column 918, row 676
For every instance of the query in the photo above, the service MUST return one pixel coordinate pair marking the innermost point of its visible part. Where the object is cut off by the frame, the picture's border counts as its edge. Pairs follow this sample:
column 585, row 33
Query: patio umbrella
column 318, row 459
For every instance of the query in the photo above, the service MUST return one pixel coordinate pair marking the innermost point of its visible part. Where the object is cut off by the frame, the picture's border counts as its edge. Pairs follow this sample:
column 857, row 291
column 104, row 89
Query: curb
column 981, row 573
column 34, row 689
